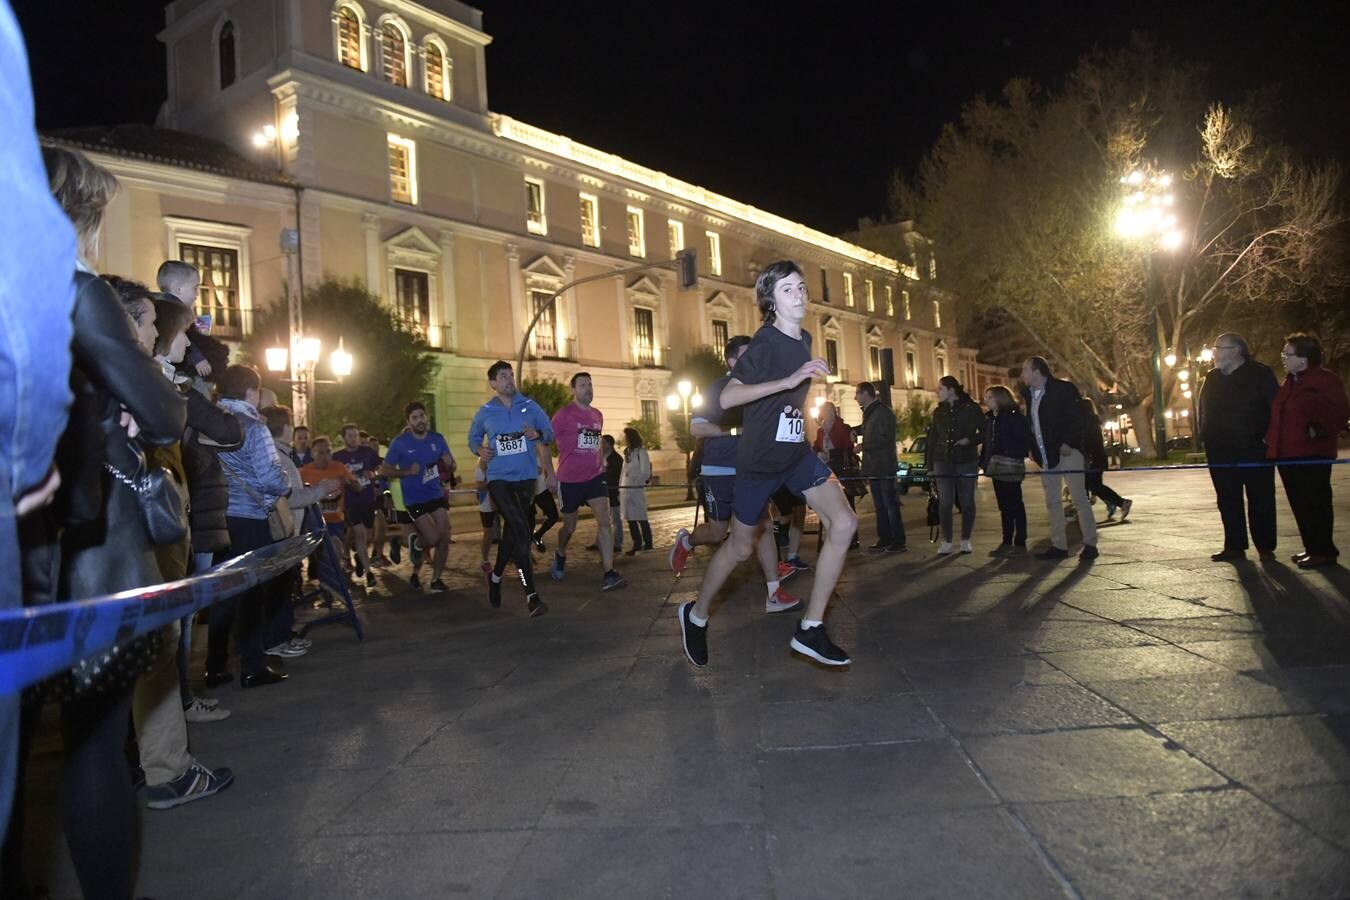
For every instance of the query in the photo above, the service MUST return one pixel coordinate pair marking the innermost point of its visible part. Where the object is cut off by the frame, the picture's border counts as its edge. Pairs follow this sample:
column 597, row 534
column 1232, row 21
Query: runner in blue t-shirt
column 358, row 501
column 511, row 433
column 413, row 458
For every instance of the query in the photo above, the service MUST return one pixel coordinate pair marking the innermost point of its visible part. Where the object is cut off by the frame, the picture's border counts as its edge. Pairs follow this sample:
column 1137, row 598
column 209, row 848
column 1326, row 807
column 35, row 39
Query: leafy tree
column 702, row 367
column 391, row 365
column 912, row 420
column 549, row 393
column 650, row 431
column 1021, row 195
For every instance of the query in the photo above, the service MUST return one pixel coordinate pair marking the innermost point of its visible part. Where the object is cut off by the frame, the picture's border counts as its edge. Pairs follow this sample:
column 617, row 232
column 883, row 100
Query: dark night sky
column 802, row 115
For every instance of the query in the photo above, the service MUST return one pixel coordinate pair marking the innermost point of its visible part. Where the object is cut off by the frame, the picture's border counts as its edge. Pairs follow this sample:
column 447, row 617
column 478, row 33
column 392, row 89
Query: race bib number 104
column 791, row 428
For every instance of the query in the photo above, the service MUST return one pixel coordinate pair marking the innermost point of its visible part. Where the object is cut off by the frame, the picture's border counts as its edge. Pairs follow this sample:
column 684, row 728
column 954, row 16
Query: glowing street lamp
column 308, row 351
column 1146, row 215
column 341, row 361
column 681, row 399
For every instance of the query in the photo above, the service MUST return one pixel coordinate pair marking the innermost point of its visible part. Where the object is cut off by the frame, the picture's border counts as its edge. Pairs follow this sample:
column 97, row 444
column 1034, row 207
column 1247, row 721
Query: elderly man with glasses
column 1235, row 402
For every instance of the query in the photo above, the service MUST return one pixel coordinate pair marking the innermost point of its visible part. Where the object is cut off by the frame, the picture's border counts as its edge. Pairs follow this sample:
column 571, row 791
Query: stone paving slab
column 1150, row 725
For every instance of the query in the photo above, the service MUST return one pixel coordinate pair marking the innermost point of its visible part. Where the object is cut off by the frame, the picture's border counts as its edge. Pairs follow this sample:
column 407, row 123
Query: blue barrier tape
column 39, row 641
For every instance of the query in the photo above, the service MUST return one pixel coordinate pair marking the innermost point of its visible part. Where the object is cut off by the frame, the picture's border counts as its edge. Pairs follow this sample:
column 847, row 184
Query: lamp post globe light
column 307, row 352
column 1147, row 216
column 684, row 397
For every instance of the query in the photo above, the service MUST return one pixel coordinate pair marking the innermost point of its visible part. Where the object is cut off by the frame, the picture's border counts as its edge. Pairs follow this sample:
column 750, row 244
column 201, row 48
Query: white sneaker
column 944, row 548
column 287, row 650
column 199, row 712
column 966, row 548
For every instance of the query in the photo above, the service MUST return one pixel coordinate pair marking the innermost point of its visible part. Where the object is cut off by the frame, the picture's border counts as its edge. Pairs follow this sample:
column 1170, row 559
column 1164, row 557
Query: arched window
column 349, row 38
column 225, row 52
column 394, row 54
column 439, row 70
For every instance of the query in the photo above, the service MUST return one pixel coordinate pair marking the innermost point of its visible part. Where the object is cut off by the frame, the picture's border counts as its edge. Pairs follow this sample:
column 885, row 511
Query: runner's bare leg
column 603, row 536
column 442, row 520
column 839, row 522
column 731, row 554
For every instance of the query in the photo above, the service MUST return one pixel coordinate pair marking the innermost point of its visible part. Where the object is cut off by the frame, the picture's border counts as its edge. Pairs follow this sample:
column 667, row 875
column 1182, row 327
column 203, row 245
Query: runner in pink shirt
column 581, row 477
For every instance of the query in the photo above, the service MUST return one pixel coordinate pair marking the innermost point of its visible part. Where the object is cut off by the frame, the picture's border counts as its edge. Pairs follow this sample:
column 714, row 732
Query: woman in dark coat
column 1007, row 441
column 954, row 458
column 120, row 396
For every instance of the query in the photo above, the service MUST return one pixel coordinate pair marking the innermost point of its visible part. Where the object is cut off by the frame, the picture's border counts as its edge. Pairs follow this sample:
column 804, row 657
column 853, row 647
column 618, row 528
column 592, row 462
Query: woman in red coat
column 834, row 446
column 1310, row 411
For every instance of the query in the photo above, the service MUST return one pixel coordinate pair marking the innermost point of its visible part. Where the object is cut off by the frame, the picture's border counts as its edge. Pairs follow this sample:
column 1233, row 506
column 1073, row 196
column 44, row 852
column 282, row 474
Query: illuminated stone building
column 365, row 125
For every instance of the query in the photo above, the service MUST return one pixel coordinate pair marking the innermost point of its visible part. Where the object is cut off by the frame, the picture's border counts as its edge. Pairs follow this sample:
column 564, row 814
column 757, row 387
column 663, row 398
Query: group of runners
column 755, row 452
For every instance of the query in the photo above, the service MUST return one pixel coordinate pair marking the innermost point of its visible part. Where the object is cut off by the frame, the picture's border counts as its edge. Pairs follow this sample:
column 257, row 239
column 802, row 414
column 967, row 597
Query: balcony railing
column 552, row 348
column 230, row 323
column 440, row 335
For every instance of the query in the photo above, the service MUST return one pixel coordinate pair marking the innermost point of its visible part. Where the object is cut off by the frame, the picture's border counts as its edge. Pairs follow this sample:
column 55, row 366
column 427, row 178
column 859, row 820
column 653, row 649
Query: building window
column 937, row 313
column 535, row 220
column 218, row 296
column 721, row 334
column 911, row 369
column 650, row 413
column 644, row 336
column 941, row 365
column 637, row 238
column 546, row 329
column 675, row 234
column 932, row 267
column 714, row 253
column 225, row 50
column 824, row 285
column 402, row 170
column 412, row 300
column 904, row 301
column 848, row 289
column 832, row 355
column 890, row 301
column 394, row 54
column 873, row 363
column 871, row 295
column 438, row 70
column 590, row 220
column 349, row 44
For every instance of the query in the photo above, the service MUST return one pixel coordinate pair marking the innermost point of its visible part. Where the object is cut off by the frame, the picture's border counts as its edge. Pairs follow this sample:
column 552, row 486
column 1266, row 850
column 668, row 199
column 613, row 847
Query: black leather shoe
column 1228, row 555
column 261, row 678
column 1299, row 557
column 1266, row 554
column 1312, row 562
column 1053, row 553
column 1089, row 551
column 216, row 679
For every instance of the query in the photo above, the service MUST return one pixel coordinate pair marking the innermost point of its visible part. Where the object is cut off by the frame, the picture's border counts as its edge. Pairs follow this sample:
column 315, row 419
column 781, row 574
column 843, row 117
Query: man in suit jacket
column 1056, row 420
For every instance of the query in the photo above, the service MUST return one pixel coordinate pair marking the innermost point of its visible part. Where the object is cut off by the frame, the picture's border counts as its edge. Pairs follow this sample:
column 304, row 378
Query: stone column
column 449, row 304
column 370, row 228
column 518, row 307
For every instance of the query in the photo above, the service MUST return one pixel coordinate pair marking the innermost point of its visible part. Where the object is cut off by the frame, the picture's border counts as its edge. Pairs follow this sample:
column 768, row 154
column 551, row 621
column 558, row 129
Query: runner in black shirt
column 770, row 381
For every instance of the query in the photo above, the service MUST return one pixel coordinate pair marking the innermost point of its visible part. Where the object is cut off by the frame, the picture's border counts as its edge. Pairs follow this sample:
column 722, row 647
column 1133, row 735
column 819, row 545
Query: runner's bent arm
column 702, row 428
column 738, row 393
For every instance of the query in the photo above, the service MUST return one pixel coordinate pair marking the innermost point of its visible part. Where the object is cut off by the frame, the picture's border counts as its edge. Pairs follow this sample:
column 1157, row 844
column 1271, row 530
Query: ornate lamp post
column 1146, row 215
column 307, row 352
column 684, row 398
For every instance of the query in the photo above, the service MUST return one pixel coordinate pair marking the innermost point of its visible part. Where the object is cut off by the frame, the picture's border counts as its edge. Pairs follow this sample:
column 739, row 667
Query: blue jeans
column 890, row 529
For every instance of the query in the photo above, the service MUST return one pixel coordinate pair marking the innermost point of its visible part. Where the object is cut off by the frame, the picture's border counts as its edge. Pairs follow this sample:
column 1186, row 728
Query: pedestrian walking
column 1055, row 417
column 1310, row 410
column 613, row 478
column 878, row 467
column 954, row 458
column 1094, row 452
column 637, row 471
column 1234, row 415
column 1007, row 441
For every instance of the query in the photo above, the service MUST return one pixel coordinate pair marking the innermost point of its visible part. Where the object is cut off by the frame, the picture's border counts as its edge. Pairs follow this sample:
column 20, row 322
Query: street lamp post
column 684, row 398
column 305, row 356
column 1146, row 213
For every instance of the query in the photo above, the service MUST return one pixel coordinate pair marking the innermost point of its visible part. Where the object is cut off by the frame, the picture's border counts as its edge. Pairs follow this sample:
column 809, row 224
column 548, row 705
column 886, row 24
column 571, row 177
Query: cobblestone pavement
column 1150, row 725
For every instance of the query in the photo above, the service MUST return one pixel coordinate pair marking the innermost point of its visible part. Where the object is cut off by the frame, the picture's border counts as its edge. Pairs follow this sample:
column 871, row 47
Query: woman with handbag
column 954, row 458
column 255, row 519
column 637, row 471
column 1007, row 441
column 94, row 540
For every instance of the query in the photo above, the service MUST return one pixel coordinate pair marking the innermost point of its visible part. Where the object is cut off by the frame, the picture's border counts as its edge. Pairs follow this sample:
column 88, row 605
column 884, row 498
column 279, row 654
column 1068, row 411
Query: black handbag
column 161, row 501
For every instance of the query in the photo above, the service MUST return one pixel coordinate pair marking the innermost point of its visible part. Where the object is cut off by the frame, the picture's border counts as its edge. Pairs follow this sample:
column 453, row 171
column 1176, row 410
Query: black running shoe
column 536, row 606
column 612, row 581
column 816, row 644
column 437, row 587
column 360, row 569
column 494, row 593
column 414, row 583
column 695, row 637
column 538, row 544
